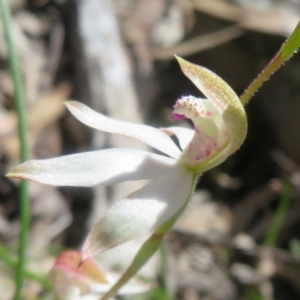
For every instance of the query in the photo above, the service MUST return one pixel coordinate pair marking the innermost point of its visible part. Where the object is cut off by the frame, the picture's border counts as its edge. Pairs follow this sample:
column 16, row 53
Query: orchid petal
column 211, row 134
column 223, row 98
column 142, row 212
column 184, row 135
column 146, row 134
column 96, row 167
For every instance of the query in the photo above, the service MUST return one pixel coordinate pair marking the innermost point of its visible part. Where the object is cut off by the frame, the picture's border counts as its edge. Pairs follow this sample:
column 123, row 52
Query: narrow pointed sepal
column 96, row 167
column 142, row 212
column 151, row 136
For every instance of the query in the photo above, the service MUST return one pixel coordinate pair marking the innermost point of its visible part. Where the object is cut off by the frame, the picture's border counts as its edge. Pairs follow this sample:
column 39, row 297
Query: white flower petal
column 91, row 168
column 146, row 134
column 184, row 135
column 142, row 212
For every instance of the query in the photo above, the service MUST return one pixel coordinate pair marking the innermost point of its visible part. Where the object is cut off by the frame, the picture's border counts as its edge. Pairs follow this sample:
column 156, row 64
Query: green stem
column 253, row 293
column 261, row 78
column 20, row 107
column 280, row 215
column 9, row 261
column 285, row 53
column 165, row 271
column 144, row 254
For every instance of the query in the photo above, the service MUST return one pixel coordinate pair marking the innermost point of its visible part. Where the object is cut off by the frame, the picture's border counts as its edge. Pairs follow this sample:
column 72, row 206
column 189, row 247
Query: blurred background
column 240, row 236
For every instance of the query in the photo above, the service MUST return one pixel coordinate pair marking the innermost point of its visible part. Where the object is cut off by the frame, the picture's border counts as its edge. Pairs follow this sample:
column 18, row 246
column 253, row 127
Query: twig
column 201, row 43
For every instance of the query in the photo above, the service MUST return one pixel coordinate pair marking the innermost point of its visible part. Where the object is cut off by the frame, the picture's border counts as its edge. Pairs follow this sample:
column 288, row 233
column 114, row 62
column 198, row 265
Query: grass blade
column 280, row 215
column 20, row 107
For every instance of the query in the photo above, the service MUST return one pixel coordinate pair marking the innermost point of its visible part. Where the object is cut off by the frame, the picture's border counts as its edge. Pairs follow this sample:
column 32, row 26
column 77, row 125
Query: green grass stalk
column 165, row 271
column 12, row 263
column 20, row 107
column 280, row 215
column 253, row 293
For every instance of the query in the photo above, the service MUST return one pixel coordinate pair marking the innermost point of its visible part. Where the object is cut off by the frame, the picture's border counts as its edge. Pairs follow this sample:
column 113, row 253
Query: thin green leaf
column 253, row 293
column 280, row 215
column 165, row 272
column 12, row 263
column 292, row 44
column 294, row 246
column 20, row 106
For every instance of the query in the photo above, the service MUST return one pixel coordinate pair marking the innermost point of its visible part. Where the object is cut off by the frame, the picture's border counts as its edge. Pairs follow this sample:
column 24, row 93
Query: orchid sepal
column 141, row 212
column 220, row 120
column 106, row 166
column 146, row 134
column 150, row 246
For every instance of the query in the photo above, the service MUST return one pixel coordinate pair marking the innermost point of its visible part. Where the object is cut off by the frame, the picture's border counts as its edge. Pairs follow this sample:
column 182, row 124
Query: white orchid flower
column 220, row 127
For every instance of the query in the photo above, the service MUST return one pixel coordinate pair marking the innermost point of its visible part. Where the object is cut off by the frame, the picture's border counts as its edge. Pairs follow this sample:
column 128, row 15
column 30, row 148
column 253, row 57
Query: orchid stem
column 144, row 254
column 20, row 107
column 285, row 53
